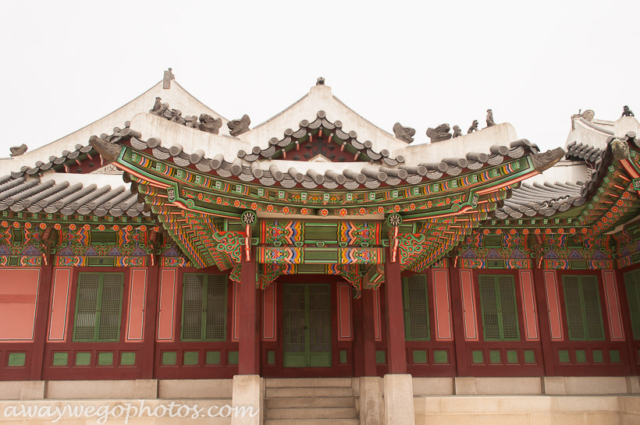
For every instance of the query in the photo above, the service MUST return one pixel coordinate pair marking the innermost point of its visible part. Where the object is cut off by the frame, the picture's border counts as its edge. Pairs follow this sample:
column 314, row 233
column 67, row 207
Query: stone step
column 312, row 422
column 308, row 392
column 308, row 383
column 295, row 402
column 306, row 413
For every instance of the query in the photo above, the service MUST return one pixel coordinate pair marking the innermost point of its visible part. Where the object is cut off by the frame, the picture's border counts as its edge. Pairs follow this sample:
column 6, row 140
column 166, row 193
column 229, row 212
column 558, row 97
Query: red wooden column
column 42, row 316
column 150, row 319
column 368, row 333
column 249, row 347
column 543, row 321
column 457, row 314
column 396, row 347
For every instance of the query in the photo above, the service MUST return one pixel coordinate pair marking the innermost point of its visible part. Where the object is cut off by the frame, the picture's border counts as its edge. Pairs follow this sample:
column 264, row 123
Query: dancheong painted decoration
column 183, row 245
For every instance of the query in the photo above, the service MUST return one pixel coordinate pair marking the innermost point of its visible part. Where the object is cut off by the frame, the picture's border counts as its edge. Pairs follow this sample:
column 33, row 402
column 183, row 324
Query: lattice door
column 307, row 325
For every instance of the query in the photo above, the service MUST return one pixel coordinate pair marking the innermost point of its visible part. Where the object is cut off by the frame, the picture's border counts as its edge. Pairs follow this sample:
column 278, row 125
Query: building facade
column 317, row 245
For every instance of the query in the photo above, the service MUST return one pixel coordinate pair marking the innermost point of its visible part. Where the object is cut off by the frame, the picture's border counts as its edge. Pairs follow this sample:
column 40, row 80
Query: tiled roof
column 541, row 199
column 581, row 151
column 42, row 195
column 369, row 175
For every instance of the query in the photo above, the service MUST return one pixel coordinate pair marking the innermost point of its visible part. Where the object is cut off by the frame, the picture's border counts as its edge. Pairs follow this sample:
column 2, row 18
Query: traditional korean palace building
column 161, row 256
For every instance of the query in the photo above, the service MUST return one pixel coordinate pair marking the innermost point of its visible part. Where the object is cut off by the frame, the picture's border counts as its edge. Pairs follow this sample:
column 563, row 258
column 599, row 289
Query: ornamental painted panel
column 468, row 306
column 613, row 305
column 59, row 305
column 18, row 301
column 443, row 305
column 167, row 302
column 529, row 312
column 269, row 314
column 553, row 305
column 345, row 327
column 137, row 303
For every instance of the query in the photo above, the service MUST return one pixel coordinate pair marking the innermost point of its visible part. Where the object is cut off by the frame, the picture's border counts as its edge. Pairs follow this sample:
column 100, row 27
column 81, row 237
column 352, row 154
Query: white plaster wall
column 321, row 99
column 563, row 172
column 480, row 141
column 176, row 96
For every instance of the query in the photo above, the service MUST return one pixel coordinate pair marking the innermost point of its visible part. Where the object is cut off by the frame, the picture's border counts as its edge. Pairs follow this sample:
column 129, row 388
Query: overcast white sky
column 66, row 64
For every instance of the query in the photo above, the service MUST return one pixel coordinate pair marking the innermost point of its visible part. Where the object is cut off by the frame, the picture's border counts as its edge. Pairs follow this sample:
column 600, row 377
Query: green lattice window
column 98, row 307
column 204, row 307
column 499, row 308
column 632, row 283
column 582, row 306
column 415, row 297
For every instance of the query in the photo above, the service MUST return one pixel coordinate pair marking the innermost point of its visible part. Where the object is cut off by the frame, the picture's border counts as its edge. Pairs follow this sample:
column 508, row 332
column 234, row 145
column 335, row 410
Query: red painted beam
column 249, row 347
column 396, row 347
column 150, row 320
column 457, row 315
column 544, row 323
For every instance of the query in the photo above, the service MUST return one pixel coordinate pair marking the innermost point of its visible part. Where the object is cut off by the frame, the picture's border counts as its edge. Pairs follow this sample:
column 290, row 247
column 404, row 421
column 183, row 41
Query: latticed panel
column 319, row 319
column 573, row 306
column 489, row 303
column 216, row 307
column 87, row 306
column 294, row 319
column 110, row 307
column 508, row 308
column 416, row 308
column 192, row 306
column 592, row 308
column 632, row 283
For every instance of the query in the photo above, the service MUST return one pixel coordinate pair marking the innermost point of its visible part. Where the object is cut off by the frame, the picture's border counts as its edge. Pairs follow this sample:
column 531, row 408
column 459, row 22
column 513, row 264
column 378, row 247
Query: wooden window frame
column 96, row 328
column 583, row 311
column 501, row 338
column 632, row 279
column 407, row 312
column 203, row 323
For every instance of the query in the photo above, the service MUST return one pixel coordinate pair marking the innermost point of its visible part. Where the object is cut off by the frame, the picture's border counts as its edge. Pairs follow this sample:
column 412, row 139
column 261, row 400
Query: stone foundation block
column 398, row 400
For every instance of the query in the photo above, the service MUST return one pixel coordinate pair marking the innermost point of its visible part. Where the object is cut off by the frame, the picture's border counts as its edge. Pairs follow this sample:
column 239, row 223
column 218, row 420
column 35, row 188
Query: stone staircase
column 327, row 401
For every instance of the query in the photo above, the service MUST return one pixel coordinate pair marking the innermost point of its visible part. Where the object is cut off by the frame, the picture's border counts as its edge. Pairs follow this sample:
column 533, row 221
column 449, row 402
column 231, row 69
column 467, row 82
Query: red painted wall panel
column 59, row 305
column 18, row 300
column 269, row 327
column 167, row 302
column 137, row 302
column 529, row 312
column 469, row 306
column 444, row 327
column 553, row 304
column 345, row 328
column 613, row 305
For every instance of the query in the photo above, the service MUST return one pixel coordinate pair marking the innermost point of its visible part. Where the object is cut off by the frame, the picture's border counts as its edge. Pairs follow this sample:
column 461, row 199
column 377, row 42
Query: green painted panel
column 343, row 356
column 213, row 357
column 60, row 359
column 127, row 359
column 83, row 359
column 597, row 356
column 529, row 356
column 499, row 309
column 495, row 357
column 563, row 356
column 232, row 357
column 191, row 358
column 169, row 358
column 17, row 359
column 582, row 306
column 440, row 357
column 419, row 356
column 415, row 297
column 381, row 357
column 581, row 356
column 512, row 356
column 321, row 232
column 105, row 359
column 614, row 356
column 204, row 307
column 478, row 356
column 98, row 307
column 271, row 357
column 321, row 255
